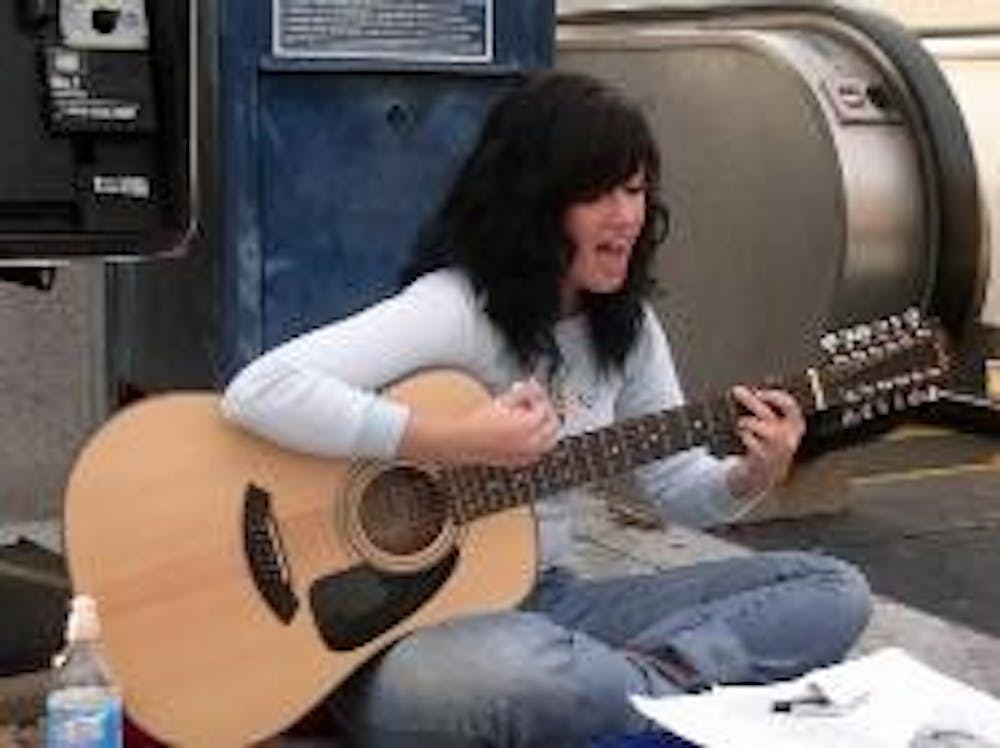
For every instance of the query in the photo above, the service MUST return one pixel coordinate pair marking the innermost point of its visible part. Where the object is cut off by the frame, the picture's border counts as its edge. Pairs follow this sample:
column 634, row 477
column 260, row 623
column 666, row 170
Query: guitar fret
column 496, row 497
column 662, row 438
column 598, row 453
column 656, row 437
column 498, row 487
column 610, row 450
column 469, row 494
column 498, row 493
column 565, row 474
column 644, row 440
column 482, row 497
column 685, row 423
column 546, row 476
column 581, row 458
column 633, row 438
column 620, row 460
column 515, row 487
column 568, row 472
column 563, row 463
column 452, row 480
column 700, row 423
column 653, row 438
column 547, row 469
column 588, row 448
column 695, row 424
column 576, row 460
column 476, row 488
column 528, row 482
column 486, row 493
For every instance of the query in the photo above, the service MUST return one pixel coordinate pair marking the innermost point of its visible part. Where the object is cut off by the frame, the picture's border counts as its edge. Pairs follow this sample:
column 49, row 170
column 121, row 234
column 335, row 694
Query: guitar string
column 613, row 444
column 608, row 451
column 611, row 448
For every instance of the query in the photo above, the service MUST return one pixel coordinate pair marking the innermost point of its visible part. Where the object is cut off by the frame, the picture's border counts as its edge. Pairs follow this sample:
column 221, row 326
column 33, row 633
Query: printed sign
column 408, row 30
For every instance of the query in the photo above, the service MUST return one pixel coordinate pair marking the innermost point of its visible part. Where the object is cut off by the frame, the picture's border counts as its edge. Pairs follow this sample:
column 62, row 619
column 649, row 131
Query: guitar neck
column 480, row 490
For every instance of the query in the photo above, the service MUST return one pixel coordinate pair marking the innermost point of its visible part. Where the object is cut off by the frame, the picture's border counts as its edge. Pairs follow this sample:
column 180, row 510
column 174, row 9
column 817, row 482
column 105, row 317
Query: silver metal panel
column 790, row 215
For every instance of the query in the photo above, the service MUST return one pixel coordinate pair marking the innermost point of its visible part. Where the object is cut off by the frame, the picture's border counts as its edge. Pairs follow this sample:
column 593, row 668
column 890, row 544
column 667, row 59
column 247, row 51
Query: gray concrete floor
column 605, row 547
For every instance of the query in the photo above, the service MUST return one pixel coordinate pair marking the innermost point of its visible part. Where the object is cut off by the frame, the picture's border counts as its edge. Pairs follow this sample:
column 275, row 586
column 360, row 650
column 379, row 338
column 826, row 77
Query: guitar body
column 156, row 529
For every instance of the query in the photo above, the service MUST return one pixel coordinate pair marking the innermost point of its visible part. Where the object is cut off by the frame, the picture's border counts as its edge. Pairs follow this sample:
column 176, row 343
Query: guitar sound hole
column 403, row 511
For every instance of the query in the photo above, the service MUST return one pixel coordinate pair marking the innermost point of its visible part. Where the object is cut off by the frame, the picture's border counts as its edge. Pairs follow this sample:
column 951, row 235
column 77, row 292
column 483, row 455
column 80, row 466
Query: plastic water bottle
column 83, row 708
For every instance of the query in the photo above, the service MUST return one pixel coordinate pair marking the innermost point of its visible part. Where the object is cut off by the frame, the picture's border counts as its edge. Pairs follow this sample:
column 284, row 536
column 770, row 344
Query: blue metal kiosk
column 333, row 130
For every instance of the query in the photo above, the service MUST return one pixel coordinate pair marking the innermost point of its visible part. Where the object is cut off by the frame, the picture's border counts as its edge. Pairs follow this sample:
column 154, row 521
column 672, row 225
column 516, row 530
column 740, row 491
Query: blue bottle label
column 83, row 718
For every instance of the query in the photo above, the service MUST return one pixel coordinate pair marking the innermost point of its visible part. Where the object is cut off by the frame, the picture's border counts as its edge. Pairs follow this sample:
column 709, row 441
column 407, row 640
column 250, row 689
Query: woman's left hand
column 771, row 432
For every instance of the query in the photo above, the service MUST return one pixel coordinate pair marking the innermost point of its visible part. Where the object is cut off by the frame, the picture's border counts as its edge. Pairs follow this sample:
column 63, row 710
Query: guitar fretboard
column 481, row 490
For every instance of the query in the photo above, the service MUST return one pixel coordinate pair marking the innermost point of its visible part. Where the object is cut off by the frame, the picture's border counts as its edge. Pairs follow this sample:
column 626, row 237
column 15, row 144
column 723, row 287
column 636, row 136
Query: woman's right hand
column 516, row 428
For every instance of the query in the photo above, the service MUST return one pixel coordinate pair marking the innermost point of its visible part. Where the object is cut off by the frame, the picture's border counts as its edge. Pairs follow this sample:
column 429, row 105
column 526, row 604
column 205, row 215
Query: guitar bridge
column 265, row 554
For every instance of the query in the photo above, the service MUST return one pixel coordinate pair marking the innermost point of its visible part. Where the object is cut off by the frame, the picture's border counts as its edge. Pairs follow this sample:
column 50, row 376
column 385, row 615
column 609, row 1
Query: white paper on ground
column 904, row 696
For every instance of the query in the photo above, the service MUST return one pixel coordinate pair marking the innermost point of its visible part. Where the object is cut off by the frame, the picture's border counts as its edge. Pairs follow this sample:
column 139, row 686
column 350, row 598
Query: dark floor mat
column 34, row 594
column 931, row 541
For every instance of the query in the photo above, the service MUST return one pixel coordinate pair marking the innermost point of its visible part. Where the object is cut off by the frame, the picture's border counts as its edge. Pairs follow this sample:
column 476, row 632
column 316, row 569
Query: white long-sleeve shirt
column 318, row 393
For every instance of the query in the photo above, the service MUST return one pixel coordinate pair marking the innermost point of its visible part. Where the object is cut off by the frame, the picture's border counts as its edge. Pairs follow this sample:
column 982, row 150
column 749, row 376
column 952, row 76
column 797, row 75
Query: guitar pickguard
column 353, row 607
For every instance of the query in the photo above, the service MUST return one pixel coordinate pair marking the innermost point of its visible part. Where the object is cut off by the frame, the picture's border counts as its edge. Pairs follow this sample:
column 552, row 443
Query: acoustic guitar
column 239, row 583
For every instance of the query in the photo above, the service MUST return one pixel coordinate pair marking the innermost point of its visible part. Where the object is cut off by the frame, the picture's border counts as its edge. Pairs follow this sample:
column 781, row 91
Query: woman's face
column 603, row 232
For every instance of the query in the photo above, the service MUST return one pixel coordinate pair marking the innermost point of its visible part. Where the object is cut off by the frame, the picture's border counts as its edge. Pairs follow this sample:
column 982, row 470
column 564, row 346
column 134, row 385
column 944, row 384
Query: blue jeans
column 556, row 672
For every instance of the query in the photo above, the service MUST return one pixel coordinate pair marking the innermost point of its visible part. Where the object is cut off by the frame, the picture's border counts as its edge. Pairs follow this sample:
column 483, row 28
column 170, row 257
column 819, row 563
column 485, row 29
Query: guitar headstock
column 881, row 367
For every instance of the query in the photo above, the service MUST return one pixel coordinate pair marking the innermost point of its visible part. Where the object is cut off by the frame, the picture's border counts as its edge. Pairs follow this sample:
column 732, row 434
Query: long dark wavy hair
column 556, row 139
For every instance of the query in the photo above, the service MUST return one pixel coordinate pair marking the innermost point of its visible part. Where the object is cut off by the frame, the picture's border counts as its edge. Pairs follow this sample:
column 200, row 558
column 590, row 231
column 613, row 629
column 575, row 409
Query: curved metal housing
column 813, row 183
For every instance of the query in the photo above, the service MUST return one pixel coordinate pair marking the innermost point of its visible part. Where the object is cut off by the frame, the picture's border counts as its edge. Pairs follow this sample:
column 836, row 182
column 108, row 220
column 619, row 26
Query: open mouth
column 617, row 251
column 613, row 249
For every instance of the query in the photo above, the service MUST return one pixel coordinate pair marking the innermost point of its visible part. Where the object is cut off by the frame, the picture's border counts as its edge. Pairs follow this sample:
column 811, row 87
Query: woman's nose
column 624, row 205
